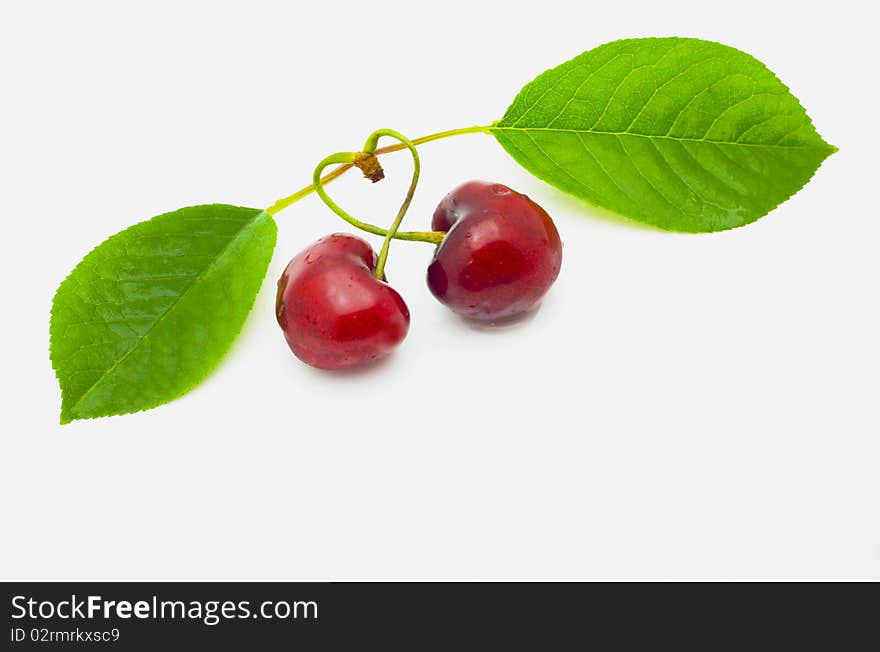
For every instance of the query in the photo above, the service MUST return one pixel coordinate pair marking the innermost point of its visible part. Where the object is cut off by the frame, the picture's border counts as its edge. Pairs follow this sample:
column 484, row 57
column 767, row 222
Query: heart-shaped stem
column 350, row 158
column 337, row 172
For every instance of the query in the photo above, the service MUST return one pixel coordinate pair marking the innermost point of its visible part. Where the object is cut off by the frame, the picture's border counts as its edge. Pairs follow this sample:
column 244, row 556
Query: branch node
column 369, row 165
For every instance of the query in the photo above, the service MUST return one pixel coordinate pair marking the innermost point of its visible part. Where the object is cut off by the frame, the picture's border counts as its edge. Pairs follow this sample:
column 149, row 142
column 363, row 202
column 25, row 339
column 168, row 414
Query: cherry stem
column 349, row 159
column 283, row 203
column 370, row 148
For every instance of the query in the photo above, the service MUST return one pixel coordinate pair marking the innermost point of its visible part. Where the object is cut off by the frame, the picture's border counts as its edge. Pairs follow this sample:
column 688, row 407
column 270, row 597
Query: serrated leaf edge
column 66, row 416
column 497, row 126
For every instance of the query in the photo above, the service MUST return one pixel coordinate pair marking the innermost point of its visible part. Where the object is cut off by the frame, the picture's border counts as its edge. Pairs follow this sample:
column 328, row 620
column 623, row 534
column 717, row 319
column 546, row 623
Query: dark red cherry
column 334, row 312
column 501, row 253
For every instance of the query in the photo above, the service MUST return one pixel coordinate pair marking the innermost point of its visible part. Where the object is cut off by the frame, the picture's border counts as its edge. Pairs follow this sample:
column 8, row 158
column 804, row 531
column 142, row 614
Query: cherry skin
column 500, row 255
column 334, row 312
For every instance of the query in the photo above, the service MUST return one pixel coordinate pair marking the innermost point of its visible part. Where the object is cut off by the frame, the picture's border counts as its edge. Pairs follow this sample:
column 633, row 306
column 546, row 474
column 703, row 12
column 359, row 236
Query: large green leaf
column 685, row 134
column 148, row 313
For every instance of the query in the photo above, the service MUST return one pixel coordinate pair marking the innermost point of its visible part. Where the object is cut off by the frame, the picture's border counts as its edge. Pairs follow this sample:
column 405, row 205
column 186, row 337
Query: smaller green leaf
column 149, row 313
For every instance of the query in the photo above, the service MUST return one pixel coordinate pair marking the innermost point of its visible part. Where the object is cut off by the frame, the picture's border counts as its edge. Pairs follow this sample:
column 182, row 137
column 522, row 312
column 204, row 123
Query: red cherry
column 334, row 312
column 501, row 253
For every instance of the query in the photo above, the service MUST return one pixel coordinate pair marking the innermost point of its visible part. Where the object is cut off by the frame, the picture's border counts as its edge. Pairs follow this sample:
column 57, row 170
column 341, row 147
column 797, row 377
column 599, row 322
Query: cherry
column 334, row 312
column 501, row 253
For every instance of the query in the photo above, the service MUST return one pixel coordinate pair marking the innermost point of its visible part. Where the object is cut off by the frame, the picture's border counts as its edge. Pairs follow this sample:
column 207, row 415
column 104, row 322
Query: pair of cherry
column 498, row 254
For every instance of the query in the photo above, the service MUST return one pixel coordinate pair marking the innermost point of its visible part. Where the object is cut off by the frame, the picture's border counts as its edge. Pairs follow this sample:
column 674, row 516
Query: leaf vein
column 823, row 145
column 165, row 313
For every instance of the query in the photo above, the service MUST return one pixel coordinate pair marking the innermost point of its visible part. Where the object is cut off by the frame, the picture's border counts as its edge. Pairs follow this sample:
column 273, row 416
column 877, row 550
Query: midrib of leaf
column 818, row 146
column 195, row 280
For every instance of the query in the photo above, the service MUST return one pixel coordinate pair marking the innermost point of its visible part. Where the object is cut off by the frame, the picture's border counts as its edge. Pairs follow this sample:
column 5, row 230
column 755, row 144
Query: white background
column 682, row 406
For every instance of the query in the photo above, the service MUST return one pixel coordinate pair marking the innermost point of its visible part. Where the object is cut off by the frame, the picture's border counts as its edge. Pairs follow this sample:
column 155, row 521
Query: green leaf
column 150, row 312
column 685, row 134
